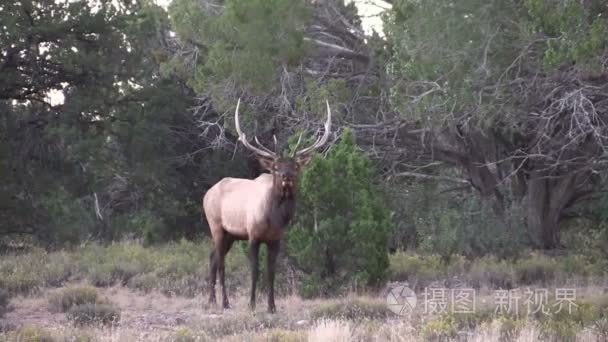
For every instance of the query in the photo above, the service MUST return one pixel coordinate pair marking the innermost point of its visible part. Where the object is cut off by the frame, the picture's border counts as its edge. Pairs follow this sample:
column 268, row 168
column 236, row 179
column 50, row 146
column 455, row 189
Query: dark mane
column 282, row 209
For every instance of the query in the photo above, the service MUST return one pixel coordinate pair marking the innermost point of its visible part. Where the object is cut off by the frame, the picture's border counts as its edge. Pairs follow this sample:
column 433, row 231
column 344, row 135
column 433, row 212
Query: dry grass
column 161, row 296
column 154, row 316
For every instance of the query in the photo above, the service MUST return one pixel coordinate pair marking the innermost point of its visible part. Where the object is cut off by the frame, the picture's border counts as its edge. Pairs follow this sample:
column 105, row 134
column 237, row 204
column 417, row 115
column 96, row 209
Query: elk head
column 284, row 169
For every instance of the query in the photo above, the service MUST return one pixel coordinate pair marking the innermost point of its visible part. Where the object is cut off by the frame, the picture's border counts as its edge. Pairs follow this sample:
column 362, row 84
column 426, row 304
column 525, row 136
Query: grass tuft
column 90, row 313
column 63, row 300
column 352, row 309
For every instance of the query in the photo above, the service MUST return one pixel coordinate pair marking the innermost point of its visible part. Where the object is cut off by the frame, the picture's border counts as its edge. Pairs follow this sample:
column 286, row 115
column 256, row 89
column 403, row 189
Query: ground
column 159, row 293
column 154, row 316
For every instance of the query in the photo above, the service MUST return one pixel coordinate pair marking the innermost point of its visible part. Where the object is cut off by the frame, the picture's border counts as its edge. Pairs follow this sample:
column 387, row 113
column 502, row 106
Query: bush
column 449, row 228
column 352, row 309
column 509, row 329
column 282, row 335
column 63, row 300
column 565, row 324
column 601, row 327
column 174, row 268
column 538, row 269
column 92, row 313
column 31, row 333
column 26, row 273
column 4, row 301
column 440, row 329
column 186, row 335
column 418, row 270
column 340, row 233
column 144, row 282
column 484, row 312
column 491, row 272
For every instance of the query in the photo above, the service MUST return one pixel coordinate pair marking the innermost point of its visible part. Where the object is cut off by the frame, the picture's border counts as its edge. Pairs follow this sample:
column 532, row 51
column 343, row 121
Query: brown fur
column 257, row 210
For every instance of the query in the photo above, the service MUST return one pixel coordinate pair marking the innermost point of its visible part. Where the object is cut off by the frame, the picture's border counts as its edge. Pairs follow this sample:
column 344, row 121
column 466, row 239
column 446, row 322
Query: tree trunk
column 547, row 199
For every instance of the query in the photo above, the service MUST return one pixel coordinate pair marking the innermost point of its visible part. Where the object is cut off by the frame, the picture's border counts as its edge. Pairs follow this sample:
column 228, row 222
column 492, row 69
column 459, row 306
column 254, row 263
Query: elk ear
column 302, row 161
column 267, row 163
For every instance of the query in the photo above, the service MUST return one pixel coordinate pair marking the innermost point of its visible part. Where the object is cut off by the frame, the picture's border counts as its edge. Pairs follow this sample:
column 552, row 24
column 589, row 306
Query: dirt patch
column 146, row 312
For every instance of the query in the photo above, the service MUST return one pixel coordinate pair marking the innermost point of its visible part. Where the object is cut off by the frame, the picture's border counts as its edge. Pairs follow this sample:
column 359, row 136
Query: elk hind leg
column 213, row 262
column 222, row 249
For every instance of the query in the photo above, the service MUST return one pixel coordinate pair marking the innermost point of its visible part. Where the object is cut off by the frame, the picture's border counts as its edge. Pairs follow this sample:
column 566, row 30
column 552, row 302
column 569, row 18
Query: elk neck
column 282, row 203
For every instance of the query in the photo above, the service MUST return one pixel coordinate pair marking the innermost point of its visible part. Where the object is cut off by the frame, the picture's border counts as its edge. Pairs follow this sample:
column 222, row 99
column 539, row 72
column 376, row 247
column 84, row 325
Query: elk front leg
column 254, row 249
column 273, row 251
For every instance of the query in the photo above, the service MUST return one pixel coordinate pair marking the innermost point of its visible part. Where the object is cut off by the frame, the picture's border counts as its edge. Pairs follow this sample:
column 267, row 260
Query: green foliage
column 469, row 227
column 455, row 35
column 27, row 273
column 245, row 42
column 177, row 268
column 313, row 101
column 69, row 221
column 340, row 234
column 576, row 30
column 107, row 146
column 454, row 67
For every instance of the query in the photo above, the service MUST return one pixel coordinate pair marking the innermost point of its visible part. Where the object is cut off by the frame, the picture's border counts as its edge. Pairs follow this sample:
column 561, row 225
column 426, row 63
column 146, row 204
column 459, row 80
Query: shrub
column 448, row 228
column 565, row 324
column 575, row 265
column 439, row 329
column 31, row 333
column 418, row 270
column 601, row 327
column 186, row 335
column 144, row 282
column 352, row 309
column 537, row 269
column 509, row 329
column 4, row 301
column 63, row 300
column 340, row 232
column 491, row 272
column 92, row 313
column 281, row 335
column 471, row 320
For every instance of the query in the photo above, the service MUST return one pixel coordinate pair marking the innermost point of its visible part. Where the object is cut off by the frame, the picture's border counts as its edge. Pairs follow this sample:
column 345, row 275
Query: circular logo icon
column 401, row 300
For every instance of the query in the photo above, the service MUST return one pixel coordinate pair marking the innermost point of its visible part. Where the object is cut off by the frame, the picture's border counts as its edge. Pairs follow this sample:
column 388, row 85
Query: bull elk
column 257, row 210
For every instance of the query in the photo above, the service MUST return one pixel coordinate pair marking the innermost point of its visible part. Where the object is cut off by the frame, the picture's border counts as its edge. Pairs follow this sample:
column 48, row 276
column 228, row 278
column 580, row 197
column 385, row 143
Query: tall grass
column 176, row 268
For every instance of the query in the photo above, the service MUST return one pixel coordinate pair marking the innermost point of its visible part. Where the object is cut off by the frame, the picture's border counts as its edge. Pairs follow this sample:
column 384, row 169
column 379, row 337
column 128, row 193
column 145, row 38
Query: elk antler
column 262, row 151
column 321, row 140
